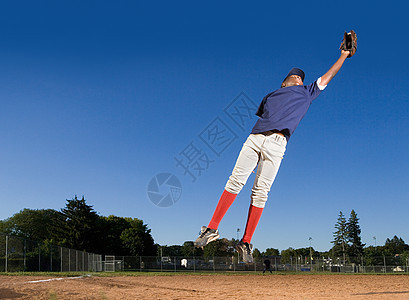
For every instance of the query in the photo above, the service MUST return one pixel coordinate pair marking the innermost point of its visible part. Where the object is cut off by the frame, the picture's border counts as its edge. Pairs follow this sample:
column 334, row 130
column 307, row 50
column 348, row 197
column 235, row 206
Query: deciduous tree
column 394, row 246
column 32, row 224
column 271, row 252
column 138, row 239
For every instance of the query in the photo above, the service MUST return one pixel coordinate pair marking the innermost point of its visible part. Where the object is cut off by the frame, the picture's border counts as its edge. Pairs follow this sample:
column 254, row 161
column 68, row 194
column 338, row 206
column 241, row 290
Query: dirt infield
column 207, row 286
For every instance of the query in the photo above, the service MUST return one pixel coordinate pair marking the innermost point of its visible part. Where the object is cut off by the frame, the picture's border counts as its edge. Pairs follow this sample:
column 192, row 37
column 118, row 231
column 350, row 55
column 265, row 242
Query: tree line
column 78, row 226
column 347, row 247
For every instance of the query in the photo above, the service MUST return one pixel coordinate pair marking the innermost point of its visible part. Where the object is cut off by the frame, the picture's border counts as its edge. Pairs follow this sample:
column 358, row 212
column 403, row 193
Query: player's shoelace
column 204, row 232
column 247, row 246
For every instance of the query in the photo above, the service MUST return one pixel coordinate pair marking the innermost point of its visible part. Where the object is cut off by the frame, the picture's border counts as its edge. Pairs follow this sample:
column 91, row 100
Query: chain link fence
column 23, row 255
column 382, row 264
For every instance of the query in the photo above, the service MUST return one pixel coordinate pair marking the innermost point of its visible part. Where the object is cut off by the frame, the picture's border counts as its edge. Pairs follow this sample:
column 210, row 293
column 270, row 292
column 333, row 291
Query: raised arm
column 327, row 77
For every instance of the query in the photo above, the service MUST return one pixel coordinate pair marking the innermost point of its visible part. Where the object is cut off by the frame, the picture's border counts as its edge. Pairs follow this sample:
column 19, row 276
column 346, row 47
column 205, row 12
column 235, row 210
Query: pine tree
column 340, row 237
column 354, row 239
column 81, row 226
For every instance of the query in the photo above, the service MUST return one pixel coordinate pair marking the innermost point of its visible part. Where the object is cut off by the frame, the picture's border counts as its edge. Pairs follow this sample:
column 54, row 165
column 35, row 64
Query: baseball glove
column 349, row 43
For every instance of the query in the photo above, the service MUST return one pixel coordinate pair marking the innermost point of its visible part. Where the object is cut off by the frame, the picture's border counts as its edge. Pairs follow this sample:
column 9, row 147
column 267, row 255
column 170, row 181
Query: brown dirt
column 212, row 286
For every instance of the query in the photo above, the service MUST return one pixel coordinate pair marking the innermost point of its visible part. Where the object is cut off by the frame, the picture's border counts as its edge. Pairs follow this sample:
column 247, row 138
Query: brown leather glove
column 349, row 43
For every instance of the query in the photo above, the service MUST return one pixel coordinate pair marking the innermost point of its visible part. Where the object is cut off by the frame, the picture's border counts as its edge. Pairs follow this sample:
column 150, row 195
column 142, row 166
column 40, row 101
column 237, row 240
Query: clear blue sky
column 99, row 97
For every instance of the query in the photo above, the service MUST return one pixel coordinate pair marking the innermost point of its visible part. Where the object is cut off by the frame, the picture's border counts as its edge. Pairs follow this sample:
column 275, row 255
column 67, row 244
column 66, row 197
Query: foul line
column 54, row 279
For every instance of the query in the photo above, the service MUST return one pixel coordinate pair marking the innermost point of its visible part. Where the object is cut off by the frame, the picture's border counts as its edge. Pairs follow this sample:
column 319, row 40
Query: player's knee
column 259, row 197
column 257, row 202
column 234, row 185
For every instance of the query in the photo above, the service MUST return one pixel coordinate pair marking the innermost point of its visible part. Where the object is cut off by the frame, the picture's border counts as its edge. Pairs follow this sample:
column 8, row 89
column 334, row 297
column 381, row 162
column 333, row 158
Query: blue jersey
column 284, row 108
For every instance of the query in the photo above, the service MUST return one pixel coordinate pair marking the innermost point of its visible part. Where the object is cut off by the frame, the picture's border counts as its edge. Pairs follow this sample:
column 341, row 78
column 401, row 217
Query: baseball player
column 267, row 266
column 279, row 114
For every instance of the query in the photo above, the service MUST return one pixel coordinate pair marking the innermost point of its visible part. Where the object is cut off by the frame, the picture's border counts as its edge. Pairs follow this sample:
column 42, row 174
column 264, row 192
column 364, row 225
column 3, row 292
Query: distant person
column 279, row 114
column 267, row 266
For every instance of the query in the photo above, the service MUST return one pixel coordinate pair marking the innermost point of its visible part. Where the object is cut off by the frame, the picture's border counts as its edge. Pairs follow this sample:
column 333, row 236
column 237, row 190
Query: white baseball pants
column 266, row 151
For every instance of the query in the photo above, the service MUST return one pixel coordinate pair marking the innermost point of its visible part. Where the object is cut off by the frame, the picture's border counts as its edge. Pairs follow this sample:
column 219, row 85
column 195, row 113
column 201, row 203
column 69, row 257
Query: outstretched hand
column 349, row 43
column 345, row 52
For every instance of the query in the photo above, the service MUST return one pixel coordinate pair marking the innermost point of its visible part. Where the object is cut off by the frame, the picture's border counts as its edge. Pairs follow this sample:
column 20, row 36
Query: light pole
column 374, row 238
column 238, row 254
column 310, row 239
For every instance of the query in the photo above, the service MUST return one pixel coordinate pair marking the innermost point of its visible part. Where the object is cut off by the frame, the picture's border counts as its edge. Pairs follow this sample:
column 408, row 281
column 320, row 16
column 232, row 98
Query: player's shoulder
column 307, row 86
column 311, row 87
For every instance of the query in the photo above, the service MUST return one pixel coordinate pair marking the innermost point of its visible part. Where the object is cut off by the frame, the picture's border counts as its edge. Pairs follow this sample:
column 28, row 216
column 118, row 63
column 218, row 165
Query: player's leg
column 271, row 156
column 272, row 153
column 245, row 164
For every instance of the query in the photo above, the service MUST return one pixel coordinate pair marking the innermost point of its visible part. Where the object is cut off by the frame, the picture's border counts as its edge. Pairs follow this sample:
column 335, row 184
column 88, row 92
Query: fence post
column 61, row 259
column 140, row 263
column 51, row 258
column 24, row 255
column 296, row 260
column 194, row 264
column 39, row 257
column 275, row 263
column 363, row 267
column 175, row 263
column 384, row 264
column 7, row 241
column 291, row 260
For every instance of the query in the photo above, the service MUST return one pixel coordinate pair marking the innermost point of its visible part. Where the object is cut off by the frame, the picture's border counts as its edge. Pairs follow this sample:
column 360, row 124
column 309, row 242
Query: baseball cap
column 296, row 71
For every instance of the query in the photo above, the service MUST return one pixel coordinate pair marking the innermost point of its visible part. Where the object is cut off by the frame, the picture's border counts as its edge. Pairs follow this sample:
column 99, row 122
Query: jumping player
column 279, row 114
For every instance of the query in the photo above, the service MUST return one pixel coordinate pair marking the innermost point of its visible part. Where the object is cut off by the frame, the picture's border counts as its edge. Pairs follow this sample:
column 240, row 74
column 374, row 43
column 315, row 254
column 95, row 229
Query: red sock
column 252, row 221
column 225, row 201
